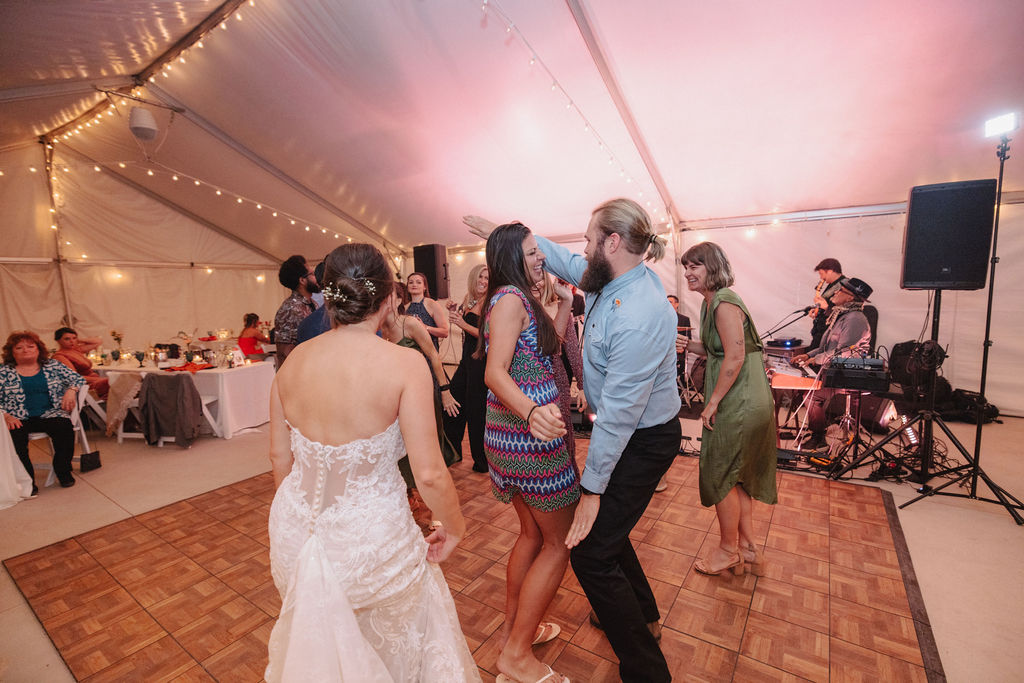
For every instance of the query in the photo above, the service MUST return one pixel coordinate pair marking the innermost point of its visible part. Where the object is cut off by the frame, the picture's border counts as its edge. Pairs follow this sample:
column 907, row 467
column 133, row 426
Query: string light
column 556, row 86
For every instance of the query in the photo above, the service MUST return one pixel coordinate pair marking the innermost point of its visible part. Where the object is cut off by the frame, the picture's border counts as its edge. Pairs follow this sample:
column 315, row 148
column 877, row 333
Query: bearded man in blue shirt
column 629, row 378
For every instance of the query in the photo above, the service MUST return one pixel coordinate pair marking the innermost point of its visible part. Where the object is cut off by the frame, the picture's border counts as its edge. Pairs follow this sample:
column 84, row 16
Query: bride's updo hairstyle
column 357, row 281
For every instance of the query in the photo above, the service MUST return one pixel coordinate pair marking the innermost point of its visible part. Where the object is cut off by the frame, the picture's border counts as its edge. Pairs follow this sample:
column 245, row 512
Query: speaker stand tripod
column 972, row 470
column 927, row 417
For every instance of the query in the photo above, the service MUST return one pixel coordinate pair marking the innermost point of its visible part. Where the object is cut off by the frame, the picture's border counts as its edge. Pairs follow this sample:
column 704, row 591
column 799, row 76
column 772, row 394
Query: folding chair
column 76, row 423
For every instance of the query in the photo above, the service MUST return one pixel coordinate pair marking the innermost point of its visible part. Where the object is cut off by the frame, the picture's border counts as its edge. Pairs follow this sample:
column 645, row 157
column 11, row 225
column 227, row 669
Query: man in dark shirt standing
column 296, row 276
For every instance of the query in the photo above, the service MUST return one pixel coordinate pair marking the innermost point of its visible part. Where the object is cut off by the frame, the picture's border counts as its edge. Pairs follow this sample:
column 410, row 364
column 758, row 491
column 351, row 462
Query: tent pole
column 55, row 221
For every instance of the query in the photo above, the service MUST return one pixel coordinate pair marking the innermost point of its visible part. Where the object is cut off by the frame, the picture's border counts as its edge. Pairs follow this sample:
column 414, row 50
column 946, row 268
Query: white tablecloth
column 242, row 393
column 15, row 483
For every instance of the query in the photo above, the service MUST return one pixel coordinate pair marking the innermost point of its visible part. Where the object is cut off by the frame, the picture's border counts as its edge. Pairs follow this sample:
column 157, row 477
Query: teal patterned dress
column 542, row 471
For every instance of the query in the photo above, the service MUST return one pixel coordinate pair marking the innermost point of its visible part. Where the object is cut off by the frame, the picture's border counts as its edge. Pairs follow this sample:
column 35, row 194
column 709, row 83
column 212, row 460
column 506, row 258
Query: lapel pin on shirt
column 618, row 302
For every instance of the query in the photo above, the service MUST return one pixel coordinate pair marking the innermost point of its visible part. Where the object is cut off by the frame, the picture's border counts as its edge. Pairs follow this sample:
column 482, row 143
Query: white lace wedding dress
column 360, row 601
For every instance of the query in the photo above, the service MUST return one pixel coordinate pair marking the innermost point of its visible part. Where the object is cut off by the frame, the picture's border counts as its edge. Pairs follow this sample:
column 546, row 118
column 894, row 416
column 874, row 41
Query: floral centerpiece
column 118, row 338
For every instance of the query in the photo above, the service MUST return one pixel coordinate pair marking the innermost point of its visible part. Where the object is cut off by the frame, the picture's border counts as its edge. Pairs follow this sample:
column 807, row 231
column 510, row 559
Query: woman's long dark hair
column 506, row 265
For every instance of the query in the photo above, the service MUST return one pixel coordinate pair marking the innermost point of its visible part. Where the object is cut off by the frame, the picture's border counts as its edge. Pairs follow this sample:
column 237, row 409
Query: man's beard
column 312, row 287
column 598, row 272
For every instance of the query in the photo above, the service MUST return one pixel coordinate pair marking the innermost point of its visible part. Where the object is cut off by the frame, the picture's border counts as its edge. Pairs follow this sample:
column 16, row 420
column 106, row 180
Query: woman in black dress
column 467, row 384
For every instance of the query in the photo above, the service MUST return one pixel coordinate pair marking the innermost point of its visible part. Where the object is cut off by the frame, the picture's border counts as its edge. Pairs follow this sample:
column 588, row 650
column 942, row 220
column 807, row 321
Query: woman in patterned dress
column 524, row 441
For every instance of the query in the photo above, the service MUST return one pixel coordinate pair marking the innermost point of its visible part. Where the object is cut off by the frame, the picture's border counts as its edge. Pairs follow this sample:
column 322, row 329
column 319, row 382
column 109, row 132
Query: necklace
column 472, row 303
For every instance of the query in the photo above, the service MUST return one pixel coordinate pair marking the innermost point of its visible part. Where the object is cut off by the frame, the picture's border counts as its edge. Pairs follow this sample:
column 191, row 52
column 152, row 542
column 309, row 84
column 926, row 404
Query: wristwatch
column 588, row 492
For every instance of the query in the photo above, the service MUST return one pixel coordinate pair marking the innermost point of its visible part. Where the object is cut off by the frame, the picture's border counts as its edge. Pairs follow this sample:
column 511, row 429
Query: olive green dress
column 741, row 448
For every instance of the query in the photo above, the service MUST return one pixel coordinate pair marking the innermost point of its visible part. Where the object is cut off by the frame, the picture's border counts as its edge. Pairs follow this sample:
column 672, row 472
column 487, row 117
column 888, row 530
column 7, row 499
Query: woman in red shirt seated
column 250, row 338
column 71, row 352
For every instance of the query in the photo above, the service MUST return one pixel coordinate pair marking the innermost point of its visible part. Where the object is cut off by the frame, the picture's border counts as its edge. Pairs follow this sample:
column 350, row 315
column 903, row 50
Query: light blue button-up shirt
column 629, row 358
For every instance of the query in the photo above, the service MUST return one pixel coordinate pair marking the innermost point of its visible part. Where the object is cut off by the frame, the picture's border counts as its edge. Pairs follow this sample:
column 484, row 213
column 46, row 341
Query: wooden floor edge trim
column 925, row 637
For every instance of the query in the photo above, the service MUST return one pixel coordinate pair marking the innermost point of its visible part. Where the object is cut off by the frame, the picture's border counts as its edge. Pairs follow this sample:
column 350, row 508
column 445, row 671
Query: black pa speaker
column 948, row 236
column 432, row 261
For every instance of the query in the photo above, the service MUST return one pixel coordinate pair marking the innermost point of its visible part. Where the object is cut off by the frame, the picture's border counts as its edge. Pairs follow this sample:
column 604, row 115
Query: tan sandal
column 546, row 632
column 550, row 677
column 736, row 564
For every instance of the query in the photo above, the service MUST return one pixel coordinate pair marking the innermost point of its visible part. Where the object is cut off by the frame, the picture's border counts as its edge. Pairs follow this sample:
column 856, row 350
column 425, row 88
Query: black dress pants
column 607, row 566
column 468, row 388
column 61, row 433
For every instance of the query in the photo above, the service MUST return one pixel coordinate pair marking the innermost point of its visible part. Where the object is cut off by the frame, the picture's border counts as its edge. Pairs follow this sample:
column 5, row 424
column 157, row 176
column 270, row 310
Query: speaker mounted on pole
column 948, row 235
column 432, row 261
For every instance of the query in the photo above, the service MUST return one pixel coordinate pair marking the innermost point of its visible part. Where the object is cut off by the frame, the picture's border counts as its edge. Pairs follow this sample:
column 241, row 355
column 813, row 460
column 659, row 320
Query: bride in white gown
column 363, row 598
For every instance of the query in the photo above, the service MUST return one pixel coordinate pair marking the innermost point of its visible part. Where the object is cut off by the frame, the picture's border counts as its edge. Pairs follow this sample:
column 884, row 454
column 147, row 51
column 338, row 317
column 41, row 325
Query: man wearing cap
column 847, row 333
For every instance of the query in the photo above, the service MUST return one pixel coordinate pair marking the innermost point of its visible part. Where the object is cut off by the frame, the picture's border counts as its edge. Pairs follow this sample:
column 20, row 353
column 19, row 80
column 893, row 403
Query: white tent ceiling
column 397, row 117
column 388, row 120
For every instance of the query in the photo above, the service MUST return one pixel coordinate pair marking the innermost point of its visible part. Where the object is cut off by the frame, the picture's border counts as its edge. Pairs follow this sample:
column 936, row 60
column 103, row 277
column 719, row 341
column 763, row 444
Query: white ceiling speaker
column 142, row 124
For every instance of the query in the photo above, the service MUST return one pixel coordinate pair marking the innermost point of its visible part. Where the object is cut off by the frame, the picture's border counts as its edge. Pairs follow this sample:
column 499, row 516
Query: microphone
column 805, row 310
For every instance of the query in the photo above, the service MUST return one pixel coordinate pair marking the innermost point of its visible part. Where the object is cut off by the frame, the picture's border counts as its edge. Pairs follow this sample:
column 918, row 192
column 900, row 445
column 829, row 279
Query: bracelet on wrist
column 444, row 387
column 530, row 414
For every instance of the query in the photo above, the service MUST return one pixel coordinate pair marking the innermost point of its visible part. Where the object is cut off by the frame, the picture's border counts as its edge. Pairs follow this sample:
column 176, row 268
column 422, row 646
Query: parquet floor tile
column 866, row 558
column 849, row 663
column 219, row 627
column 805, row 500
column 177, row 521
column 479, row 621
column 753, row 671
column 888, row 595
column 163, row 660
column 245, row 659
column 218, row 547
column 798, row 542
column 73, row 592
column 673, row 537
column 791, row 603
column 184, row 593
column 693, row 659
column 875, row 629
column 804, row 520
column 706, row 618
column 800, row 651
column 579, row 664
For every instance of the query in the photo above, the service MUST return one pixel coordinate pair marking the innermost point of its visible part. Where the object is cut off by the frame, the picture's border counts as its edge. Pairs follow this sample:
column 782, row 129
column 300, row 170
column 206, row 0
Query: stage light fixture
column 1000, row 125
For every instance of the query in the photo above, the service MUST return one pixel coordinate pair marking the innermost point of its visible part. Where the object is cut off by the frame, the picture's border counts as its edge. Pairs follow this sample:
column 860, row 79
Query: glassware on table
column 140, row 356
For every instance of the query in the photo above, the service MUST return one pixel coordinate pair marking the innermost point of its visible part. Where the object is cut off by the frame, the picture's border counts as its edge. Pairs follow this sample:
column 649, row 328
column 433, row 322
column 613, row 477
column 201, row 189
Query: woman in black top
column 467, row 384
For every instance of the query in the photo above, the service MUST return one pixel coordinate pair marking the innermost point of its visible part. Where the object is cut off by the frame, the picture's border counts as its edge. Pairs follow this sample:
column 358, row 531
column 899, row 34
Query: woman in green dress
column 738, row 453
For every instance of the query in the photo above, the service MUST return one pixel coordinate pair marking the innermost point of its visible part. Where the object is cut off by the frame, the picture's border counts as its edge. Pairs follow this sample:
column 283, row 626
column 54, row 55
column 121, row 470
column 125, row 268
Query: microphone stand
column 786, row 323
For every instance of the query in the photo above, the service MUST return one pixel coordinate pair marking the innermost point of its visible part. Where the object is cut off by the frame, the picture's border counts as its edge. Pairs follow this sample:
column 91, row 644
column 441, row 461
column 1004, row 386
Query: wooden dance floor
column 184, row 593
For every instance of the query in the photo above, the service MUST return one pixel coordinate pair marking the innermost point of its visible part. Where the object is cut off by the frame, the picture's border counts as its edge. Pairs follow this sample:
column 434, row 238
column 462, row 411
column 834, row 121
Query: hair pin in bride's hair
column 370, row 287
column 334, row 294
